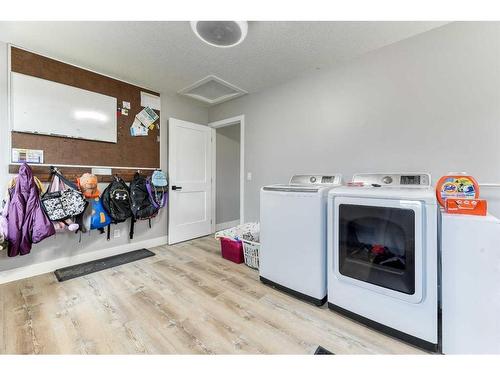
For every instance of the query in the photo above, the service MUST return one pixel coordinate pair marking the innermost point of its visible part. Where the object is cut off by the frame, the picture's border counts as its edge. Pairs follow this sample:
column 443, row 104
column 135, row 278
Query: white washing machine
column 292, row 254
column 383, row 255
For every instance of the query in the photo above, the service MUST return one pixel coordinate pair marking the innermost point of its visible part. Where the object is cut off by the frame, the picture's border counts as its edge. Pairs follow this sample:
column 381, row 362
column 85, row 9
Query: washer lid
column 308, row 183
column 293, row 188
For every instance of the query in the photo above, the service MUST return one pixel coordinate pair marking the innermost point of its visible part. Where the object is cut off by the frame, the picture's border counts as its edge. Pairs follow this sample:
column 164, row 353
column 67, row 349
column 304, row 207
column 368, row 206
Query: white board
column 46, row 107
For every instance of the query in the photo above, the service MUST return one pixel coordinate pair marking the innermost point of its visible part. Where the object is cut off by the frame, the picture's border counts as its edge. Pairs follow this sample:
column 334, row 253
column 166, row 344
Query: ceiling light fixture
column 222, row 34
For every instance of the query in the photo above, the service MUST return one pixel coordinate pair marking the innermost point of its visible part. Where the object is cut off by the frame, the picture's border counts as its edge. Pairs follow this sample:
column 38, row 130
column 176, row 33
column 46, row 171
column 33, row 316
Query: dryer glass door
column 377, row 245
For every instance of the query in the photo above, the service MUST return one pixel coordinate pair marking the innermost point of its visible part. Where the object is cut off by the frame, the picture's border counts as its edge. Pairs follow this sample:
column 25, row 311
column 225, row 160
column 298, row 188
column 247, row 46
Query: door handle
column 176, row 187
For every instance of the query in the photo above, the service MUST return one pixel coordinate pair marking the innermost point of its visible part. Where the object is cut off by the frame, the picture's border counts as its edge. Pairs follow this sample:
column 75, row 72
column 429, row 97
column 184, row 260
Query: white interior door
column 190, row 170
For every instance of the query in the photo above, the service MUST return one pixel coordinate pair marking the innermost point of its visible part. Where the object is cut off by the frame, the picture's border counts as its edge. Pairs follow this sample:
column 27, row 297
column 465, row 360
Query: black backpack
column 116, row 201
column 142, row 206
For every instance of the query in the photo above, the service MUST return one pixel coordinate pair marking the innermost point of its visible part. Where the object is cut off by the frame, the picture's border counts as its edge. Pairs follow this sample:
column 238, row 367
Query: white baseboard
column 226, row 225
column 52, row 265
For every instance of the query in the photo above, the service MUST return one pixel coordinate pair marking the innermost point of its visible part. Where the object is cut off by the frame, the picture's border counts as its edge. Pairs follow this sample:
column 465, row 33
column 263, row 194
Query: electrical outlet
column 249, row 176
column 116, row 233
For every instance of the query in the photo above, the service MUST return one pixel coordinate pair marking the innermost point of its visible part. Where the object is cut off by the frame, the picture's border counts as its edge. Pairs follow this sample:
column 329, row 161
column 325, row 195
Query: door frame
column 220, row 124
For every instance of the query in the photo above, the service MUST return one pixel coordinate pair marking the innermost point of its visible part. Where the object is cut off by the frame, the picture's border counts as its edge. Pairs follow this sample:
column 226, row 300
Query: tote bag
column 62, row 204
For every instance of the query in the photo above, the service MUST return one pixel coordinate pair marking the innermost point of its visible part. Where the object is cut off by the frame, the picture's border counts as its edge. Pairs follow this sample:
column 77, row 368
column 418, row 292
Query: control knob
column 387, row 180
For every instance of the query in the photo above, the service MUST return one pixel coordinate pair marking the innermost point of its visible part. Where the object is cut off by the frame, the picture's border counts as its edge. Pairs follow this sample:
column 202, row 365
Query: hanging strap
column 51, row 181
column 132, row 222
column 66, row 181
column 151, row 194
column 164, row 199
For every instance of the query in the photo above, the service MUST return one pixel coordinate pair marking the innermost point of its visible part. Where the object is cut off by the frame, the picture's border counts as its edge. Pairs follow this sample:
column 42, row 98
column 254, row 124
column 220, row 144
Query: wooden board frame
column 72, row 173
column 125, row 156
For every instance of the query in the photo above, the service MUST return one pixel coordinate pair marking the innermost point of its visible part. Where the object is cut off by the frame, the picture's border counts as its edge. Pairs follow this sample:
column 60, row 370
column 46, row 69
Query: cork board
column 128, row 152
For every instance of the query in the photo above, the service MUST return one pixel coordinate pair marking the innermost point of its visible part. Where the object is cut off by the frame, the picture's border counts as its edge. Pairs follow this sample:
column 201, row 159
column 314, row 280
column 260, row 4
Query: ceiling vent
column 212, row 90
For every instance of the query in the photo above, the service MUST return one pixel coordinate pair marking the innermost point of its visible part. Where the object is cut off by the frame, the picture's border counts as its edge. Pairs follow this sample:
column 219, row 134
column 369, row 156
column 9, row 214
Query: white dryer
column 292, row 254
column 383, row 255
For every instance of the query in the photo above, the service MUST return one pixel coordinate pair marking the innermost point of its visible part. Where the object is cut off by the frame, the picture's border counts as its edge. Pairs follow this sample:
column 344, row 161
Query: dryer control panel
column 313, row 179
column 418, row 180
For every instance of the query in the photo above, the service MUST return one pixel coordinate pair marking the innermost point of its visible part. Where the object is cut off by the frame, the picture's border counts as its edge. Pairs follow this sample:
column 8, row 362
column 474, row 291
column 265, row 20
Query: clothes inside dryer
column 377, row 245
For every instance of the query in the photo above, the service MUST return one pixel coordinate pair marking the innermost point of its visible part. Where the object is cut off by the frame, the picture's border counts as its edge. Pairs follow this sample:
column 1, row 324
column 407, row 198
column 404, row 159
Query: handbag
column 56, row 184
column 64, row 204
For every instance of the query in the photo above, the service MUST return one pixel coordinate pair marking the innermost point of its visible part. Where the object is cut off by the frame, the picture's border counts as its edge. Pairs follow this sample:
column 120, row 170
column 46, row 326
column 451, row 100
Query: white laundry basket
column 248, row 234
column 251, row 253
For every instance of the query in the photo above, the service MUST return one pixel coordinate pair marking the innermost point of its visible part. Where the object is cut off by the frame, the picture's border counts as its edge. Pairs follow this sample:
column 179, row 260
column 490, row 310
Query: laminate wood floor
column 185, row 300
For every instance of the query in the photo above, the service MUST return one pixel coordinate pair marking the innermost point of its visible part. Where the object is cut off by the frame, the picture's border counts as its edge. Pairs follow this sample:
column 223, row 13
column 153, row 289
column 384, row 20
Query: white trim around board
column 52, row 265
column 226, row 225
column 219, row 124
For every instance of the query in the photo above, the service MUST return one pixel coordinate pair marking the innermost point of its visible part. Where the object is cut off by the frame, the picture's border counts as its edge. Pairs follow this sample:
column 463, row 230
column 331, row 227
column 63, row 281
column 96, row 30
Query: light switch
column 249, row 176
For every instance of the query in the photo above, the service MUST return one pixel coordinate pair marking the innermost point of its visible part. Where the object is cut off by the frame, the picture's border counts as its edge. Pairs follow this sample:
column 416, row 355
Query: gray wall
column 227, row 174
column 66, row 244
column 428, row 103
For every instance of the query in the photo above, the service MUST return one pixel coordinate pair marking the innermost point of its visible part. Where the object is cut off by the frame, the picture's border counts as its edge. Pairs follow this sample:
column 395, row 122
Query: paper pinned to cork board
column 147, row 117
column 25, row 155
column 137, row 129
column 150, row 100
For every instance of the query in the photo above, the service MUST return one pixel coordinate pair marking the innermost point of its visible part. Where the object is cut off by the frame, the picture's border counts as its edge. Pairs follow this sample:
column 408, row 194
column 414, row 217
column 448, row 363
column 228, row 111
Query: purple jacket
column 27, row 221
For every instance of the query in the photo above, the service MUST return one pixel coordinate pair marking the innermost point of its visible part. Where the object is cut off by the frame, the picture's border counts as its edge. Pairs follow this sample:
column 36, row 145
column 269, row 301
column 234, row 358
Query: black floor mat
column 83, row 269
column 322, row 351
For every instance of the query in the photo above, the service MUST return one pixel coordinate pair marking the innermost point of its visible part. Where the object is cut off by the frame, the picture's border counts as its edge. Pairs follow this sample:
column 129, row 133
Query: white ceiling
column 167, row 56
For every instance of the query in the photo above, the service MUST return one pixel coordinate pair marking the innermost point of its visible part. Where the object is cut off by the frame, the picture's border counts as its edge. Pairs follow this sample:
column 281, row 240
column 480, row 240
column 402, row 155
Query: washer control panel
column 419, row 180
column 306, row 179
